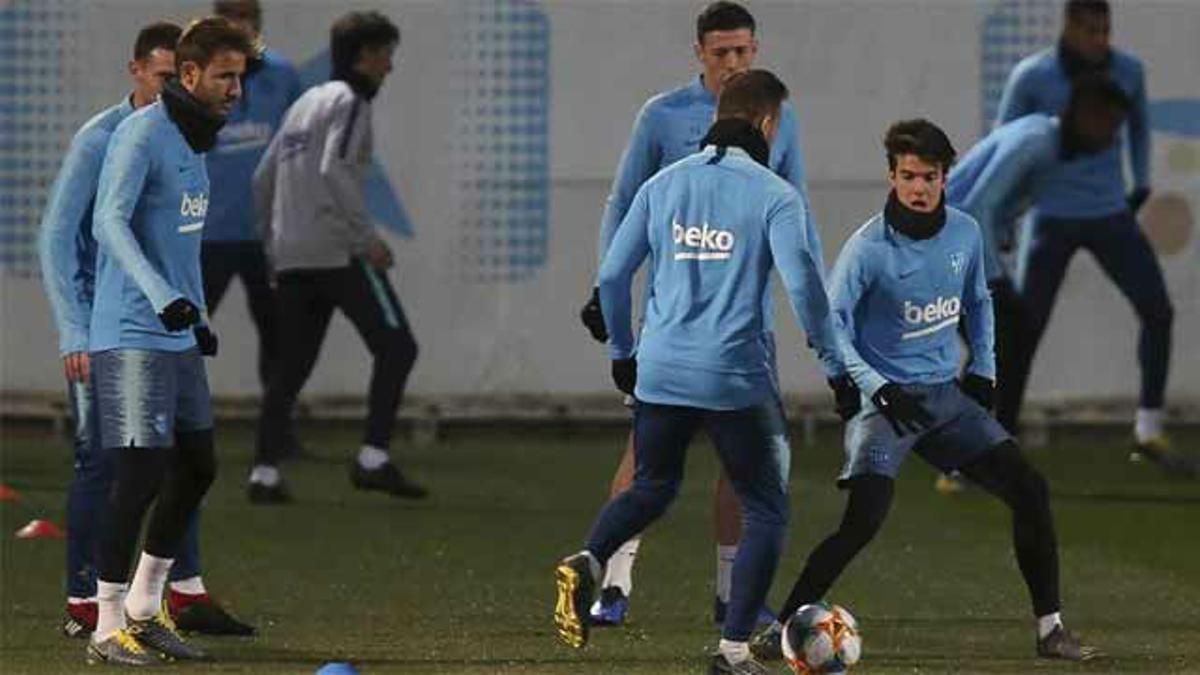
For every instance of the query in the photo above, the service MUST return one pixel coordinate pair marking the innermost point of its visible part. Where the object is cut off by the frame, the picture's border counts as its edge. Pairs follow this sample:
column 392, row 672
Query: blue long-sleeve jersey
column 66, row 246
column 995, row 177
column 713, row 226
column 897, row 301
column 1092, row 187
column 148, row 221
column 267, row 93
column 670, row 127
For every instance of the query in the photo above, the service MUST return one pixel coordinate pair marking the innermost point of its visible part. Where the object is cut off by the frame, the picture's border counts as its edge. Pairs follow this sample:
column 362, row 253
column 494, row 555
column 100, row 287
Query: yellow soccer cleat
column 576, row 584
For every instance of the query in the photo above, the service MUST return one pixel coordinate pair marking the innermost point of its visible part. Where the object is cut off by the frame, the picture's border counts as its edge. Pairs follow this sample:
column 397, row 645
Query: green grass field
column 462, row 583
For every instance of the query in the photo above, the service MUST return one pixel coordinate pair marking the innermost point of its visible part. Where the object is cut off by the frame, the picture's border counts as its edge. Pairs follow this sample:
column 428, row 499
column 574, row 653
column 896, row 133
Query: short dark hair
column 158, row 35
column 250, row 10
column 751, row 95
column 205, row 38
column 1073, row 9
column 1097, row 91
column 723, row 15
column 918, row 137
column 356, row 30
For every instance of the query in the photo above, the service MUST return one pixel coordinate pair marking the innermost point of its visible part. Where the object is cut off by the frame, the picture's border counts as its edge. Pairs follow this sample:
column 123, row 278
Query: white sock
column 80, row 601
column 1148, row 424
column 146, row 589
column 110, row 599
column 735, row 652
column 1047, row 624
column 725, row 558
column 619, row 572
column 191, row 586
column 371, row 457
column 265, row 475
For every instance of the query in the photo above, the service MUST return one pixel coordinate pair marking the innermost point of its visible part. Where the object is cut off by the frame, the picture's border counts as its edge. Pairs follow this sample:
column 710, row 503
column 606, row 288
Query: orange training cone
column 40, row 529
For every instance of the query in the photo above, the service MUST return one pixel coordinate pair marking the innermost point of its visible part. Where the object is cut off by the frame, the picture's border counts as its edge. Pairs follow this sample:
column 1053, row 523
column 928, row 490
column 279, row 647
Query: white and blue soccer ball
column 821, row 638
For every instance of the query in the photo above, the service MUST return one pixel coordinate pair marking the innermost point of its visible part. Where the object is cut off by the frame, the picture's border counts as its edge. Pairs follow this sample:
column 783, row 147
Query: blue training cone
column 337, row 668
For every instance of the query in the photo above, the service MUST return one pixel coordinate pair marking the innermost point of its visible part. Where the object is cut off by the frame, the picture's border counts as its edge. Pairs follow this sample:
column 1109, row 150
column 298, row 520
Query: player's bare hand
column 379, row 255
column 77, row 367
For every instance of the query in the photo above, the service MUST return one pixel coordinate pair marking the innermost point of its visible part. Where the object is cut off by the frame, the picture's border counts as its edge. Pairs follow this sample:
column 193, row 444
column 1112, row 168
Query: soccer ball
column 821, row 638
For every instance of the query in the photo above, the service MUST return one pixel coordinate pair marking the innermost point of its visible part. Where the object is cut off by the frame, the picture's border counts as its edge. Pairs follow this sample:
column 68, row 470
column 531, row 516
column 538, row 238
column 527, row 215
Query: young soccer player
column 714, row 225
column 901, row 285
column 68, row 255
column 231, row 246
column 669, row 128
column 326, row 255
column 1083, row 204
column 147, row 336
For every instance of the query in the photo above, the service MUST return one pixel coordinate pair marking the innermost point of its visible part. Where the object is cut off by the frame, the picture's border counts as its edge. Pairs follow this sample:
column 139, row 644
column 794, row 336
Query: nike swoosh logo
column 905, row 275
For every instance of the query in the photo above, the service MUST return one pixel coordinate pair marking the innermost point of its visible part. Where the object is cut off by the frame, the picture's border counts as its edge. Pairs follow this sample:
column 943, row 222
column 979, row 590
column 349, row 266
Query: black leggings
column 177, row 477
column 1003, row 472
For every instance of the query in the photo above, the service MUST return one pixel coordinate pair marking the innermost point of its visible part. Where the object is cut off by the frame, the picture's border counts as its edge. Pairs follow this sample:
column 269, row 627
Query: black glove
column 206, row 340
column 1137, row 198
column 902, row 409
column 593, row 318
column 979, row 388
column 847, row 400
column 624, row 374
column 178, row 315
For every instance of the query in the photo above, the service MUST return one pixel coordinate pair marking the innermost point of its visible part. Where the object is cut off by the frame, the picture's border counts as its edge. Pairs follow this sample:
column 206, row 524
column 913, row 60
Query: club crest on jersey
column 958, row 262
column 701, row 243
column 940, row 314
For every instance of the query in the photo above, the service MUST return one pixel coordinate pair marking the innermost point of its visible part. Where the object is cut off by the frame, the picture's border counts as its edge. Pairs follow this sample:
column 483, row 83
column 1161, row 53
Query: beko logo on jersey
column 939, row 314
column 193, row 207
column 705, row 242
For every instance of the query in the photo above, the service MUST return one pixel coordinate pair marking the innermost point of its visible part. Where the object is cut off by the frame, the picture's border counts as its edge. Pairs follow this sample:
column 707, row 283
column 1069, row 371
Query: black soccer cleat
column 209, row 618
column 768, row 644
column 386, row 478
column 158, row 634
column 1172, row 462
column 261, row 493
column 722, row 666
column 576, row 584
column 1061, row 644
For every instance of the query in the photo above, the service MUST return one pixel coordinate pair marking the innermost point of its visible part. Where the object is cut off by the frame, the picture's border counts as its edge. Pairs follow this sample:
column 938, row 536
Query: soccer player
column 147, row 336
column 901, row 285
column 1001, row 174
column 669, row 128
column 231, row 246
column 68, row 254
column 714, row 225
column 1083, row 204
column 326, row 255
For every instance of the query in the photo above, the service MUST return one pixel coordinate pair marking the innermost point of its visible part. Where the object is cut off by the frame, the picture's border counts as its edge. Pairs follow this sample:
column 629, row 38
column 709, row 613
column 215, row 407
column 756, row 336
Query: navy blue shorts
column 961, row 432
column 144, row 396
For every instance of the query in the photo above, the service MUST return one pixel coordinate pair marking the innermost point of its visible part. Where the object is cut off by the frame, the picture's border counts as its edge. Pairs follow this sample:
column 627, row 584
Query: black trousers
column 221, row 261
column 1126, row 257
column 305, row 300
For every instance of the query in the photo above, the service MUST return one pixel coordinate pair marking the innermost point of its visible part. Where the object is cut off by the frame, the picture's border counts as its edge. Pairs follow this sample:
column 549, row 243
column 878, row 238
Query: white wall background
column 853, row 65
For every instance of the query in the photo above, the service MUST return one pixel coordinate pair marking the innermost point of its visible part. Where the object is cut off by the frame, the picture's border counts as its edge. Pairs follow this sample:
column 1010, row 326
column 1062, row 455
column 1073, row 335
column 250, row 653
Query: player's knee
column 1161, row 317
column 198, row 458
column 654, row 496
column 397, row 348
column 138, row 478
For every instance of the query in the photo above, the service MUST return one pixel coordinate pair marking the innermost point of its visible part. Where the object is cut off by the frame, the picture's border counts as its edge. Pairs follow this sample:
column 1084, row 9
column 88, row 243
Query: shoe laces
column 127, row 642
